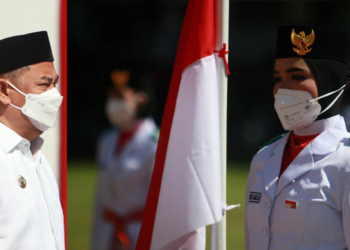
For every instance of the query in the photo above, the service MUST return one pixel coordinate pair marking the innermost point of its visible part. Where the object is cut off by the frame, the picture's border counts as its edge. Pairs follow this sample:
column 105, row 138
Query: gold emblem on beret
column 21, row 181
column 302, row 42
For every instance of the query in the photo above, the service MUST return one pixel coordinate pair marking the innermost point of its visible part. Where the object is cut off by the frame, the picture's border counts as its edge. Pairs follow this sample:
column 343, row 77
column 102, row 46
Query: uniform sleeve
column 246, row 230
column 100, row 149
column 346, row 212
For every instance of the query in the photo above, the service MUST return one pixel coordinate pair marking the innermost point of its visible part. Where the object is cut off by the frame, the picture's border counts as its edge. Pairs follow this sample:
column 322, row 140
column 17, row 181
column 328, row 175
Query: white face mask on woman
column 122, row 113
column 41, row 109
column 296, row 109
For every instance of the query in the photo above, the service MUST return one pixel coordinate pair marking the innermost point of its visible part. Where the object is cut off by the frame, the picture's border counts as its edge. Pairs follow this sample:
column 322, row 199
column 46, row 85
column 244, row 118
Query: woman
column 125, row 157
column 298, row 188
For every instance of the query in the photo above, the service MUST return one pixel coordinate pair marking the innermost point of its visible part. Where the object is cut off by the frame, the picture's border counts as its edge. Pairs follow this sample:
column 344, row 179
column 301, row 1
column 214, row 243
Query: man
column 30, row 211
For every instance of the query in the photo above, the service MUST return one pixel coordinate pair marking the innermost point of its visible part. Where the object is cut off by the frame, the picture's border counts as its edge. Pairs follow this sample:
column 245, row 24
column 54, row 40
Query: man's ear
column 4, row 98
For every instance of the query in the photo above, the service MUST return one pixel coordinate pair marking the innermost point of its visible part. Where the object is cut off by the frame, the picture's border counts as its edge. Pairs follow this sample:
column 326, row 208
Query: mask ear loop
column 331, row 93
column 15, row 88
column 18, row 92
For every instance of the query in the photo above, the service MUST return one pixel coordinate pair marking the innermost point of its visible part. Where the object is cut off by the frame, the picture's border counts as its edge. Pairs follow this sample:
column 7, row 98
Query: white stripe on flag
column 190, row 195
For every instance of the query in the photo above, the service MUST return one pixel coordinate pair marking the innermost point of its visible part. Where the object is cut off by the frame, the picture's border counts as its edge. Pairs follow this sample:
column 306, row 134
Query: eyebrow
column 49, row 78
column 290, row 70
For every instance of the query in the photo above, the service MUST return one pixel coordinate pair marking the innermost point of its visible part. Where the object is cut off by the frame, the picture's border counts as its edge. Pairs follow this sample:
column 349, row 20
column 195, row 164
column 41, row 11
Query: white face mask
column 121, row 113
column 41, row 109
column 296, row 109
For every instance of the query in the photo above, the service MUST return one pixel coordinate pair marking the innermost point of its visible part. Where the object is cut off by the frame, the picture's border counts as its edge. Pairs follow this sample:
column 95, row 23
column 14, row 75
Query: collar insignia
column 302, row 42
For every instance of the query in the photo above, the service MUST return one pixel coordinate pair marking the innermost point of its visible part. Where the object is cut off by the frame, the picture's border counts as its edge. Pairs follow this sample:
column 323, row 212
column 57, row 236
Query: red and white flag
column 185, row 191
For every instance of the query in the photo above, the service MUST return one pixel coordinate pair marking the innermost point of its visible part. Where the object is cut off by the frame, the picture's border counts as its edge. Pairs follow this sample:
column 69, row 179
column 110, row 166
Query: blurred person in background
column 298, row 188
column 125, row 157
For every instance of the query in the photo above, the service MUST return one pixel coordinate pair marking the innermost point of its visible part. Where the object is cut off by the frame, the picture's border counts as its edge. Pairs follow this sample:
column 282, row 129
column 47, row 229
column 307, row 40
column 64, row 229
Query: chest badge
column 21, row 181
column 254, row 197
column 290, row 204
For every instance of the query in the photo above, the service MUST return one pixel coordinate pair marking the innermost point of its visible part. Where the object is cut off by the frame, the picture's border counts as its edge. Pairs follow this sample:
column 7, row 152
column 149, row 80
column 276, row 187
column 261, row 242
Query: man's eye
column 44, row 84
column 298, row 78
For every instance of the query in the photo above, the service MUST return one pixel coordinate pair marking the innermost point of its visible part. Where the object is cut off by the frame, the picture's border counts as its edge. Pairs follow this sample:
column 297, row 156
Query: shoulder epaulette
column 272, row 141
column 155, row 134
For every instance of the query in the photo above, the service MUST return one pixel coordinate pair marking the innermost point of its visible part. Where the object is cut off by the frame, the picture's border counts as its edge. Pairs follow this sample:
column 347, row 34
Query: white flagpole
column 218, row 230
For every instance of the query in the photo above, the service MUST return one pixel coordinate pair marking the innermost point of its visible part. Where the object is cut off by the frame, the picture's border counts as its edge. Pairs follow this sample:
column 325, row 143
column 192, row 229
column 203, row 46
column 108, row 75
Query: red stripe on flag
column 63, row 83
column 196, row 42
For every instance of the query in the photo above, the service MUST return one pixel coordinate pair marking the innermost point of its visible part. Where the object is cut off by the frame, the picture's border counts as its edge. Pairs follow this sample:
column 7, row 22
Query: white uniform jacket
column 308, row 207
column 31, row 215
column 123, row 180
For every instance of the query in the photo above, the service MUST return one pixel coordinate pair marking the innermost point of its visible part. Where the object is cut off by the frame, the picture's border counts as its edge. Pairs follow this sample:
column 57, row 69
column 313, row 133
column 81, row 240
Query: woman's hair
column 330, row 75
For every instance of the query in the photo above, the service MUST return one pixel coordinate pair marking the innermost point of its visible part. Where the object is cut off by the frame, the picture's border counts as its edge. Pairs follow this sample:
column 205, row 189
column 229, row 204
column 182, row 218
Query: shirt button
column 266, row 232
column 269, row 204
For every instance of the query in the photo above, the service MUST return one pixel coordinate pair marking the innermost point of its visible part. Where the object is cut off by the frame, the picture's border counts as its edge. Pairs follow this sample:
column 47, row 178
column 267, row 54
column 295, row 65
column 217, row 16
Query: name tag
column 254, row 197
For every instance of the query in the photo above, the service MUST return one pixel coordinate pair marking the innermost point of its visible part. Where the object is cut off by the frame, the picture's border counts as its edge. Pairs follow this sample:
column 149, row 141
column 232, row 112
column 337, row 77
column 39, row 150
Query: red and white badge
column 291, row 204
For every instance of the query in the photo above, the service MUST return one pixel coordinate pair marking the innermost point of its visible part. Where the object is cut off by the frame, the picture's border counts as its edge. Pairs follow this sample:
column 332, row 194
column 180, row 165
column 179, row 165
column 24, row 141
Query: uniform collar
column 328, row 141
column 331, row 131
column 146, row 127
column 10, row 139
column 317, row 127
column 143, row 132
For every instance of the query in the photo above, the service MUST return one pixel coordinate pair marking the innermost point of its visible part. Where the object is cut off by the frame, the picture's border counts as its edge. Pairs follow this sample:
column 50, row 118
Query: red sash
column 119, row 233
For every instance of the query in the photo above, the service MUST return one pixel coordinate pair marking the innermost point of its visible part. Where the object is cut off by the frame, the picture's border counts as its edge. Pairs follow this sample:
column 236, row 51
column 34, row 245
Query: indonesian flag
column 22, row 17
column 185, row 191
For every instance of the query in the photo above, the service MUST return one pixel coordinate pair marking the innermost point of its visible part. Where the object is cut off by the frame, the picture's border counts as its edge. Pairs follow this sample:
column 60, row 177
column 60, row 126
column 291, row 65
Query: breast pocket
column 12, row 201
column 324, row 222
column 288, row 217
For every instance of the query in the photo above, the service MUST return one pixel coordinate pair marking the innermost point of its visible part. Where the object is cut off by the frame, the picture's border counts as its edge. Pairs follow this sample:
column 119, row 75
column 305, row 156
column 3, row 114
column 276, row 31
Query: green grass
column 81, row 192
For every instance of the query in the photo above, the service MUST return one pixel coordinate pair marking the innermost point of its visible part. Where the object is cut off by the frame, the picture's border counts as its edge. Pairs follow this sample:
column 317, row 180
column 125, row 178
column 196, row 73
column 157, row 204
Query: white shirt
column 317, row 182
column 123, row 180
column 31, row 218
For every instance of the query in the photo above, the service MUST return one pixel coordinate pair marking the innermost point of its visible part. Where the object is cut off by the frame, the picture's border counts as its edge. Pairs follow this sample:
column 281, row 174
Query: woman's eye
column 298, row 78
column 277, row 79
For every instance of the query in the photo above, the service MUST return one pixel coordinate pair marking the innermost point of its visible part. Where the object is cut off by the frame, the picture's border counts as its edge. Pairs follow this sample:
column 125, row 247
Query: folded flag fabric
column 185, row 191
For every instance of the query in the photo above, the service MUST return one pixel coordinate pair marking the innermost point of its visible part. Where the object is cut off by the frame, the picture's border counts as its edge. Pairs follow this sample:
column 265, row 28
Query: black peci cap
column 312, row 42
column 23, row 50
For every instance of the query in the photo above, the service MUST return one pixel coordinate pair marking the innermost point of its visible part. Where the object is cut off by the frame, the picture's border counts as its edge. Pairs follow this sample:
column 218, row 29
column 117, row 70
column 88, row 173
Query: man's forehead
column 44, row 69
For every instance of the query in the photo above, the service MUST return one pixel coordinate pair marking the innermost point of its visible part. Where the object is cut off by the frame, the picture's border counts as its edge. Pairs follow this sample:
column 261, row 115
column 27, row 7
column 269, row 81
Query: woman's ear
column 4, row 98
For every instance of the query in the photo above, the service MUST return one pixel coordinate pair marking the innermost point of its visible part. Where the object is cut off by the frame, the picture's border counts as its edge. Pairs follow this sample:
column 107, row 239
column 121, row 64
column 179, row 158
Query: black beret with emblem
column 24, row 50
column 312, row 42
